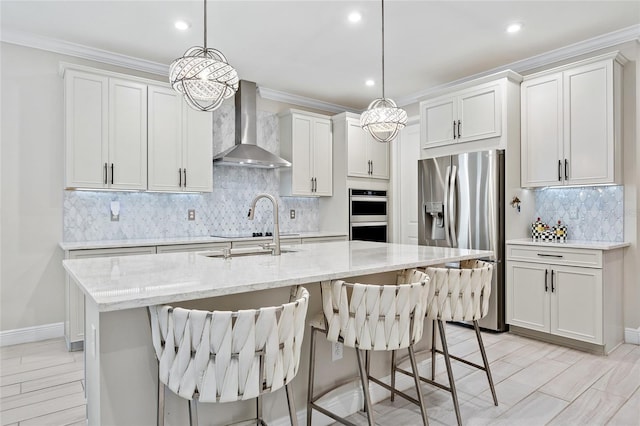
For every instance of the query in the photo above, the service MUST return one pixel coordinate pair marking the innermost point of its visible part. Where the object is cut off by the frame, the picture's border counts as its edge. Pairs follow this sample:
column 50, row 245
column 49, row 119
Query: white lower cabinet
column 74, row 298
column 570, row 293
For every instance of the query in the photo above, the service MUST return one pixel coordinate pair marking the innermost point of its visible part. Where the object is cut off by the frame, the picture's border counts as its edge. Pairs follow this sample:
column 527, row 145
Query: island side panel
column 121, row 372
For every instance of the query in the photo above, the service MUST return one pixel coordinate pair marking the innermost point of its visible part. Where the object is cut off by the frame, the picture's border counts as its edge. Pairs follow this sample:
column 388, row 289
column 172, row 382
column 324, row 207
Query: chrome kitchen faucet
column 275, row 246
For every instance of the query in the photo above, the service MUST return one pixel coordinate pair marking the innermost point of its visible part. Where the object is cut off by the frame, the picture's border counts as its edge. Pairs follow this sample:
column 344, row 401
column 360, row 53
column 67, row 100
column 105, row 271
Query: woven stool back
column 224, row 356
column 460, row 294
column 376, row 317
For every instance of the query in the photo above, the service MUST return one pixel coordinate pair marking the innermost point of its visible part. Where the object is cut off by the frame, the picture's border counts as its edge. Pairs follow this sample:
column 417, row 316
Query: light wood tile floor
column 537, row 384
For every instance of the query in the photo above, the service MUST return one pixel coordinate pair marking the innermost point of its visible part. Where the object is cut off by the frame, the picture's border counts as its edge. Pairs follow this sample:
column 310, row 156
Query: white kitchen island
column 121, row 370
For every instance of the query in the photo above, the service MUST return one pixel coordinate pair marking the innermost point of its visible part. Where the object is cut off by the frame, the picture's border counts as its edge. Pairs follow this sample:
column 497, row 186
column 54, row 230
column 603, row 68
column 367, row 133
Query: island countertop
column 126, row 282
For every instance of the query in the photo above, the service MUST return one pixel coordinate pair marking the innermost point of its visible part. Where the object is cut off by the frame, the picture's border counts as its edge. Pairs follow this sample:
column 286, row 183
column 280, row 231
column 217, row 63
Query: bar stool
column 225, row 356
column 371, row 318
column 457, row 295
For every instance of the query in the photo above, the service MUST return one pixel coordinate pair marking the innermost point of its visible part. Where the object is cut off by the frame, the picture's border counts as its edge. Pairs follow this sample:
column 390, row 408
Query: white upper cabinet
column 471, row 114
column 129, row 133
column 571, row 124
column 86, row 133
column 366, row 157
column 180, row 144
column 105, row 132
column 306, row 141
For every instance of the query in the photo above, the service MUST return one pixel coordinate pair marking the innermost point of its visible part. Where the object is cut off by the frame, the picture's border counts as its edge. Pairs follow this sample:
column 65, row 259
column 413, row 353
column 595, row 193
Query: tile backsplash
column 222, row 212
column 590, row 213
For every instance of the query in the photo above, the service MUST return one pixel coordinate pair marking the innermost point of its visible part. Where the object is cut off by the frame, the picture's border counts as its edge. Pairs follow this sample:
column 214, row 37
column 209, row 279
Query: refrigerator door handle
column 447, row 182
column 452, row 207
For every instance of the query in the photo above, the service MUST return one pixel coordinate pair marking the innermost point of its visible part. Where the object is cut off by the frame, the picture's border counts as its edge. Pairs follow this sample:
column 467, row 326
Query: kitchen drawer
column 555, row 255
column 313, row 240
column 181, row 248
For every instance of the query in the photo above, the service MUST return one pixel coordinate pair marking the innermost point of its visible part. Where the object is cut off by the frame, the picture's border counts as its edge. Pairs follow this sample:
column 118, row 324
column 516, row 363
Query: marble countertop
column 118, row 283
column 594, row 245
column 87, row 245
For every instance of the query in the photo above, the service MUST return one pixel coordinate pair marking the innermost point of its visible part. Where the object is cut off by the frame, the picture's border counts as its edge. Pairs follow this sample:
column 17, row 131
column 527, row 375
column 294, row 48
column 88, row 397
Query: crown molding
column 276, row 95
column 567, row 52
column 84, row 52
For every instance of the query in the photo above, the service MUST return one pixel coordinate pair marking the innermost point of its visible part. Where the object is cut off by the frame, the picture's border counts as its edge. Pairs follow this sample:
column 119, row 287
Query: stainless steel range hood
column 246, row 152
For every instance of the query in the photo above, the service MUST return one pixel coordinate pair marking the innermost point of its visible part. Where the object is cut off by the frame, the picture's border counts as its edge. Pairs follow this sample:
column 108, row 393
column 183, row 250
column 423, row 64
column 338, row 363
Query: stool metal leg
column 433, row 350
column 292, row 407
column 447, row 361
column 193, row 412
column 312, row 367
column 416, row 378
column 393, row 375
column 486, row 362
column 365, row 387
column 160, row 421
column 259, row 411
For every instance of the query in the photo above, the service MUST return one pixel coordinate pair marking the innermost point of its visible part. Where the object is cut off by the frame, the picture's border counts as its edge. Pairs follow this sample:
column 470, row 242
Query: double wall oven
column 368, row 215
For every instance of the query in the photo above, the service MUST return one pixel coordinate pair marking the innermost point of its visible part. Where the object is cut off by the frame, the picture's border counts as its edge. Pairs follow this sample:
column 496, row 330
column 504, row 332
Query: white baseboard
column 31, row 334
column 632, row 335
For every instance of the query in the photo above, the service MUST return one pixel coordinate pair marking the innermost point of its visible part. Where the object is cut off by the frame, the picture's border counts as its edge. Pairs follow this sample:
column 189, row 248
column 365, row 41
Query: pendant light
column 383, row 119
column 203, row 75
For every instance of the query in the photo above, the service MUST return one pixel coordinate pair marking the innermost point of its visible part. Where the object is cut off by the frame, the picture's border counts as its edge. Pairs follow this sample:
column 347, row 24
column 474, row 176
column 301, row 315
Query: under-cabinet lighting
column 355, row 17
column 370, row 83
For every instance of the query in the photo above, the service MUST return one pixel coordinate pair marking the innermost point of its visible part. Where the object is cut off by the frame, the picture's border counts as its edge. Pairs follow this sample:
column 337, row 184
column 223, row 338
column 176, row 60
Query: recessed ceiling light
column 355, row 17
column 182, row 25
column 514, row 28
column 369, row 82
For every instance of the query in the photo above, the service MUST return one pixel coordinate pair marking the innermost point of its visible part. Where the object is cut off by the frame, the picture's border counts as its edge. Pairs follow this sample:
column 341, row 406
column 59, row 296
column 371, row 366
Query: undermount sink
column 241, row 252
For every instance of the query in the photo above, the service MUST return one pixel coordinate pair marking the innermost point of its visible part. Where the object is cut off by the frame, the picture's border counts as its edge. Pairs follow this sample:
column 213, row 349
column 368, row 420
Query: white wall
column 31, row 273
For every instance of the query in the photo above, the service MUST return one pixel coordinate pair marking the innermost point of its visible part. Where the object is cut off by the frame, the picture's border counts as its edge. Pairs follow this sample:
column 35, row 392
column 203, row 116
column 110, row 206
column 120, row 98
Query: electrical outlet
column 573, row 212
column 192, row 214
column 115, row 211
column 337, row 349
column 292, row 214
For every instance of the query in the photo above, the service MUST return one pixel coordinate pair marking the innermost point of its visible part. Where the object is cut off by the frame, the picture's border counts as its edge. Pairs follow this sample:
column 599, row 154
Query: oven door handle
column 361, row 224
column 375, row 199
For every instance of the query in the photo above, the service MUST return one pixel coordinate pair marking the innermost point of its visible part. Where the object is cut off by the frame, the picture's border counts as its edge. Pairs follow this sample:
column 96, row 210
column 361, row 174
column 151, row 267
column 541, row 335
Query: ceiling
column 310, row 49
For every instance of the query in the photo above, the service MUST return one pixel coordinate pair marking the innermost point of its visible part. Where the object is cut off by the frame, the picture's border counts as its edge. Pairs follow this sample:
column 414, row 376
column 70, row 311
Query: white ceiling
column 310, row 49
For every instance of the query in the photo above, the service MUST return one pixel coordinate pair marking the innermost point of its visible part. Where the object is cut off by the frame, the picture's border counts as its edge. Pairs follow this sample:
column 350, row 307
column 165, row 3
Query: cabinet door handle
column 459, row 122
column 179, row 177
column 371, row 166
column 454, row 129
column 559, row 256
column 566, row 169
column 546, row 285
column 559, row 170
column 311, row 184
column 106, row 173
column 185, row 176
column 553, row 287
column 111, row 173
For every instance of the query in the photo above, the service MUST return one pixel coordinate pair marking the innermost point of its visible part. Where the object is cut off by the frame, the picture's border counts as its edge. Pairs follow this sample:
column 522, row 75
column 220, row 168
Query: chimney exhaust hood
column 246, row 152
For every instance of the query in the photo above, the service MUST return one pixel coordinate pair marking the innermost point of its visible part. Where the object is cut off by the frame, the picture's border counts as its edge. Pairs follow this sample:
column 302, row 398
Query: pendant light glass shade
column 383, row 119
column 203, row 75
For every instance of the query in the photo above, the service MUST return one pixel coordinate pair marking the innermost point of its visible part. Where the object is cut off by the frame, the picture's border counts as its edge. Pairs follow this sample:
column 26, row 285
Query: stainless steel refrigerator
column 461, row 202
